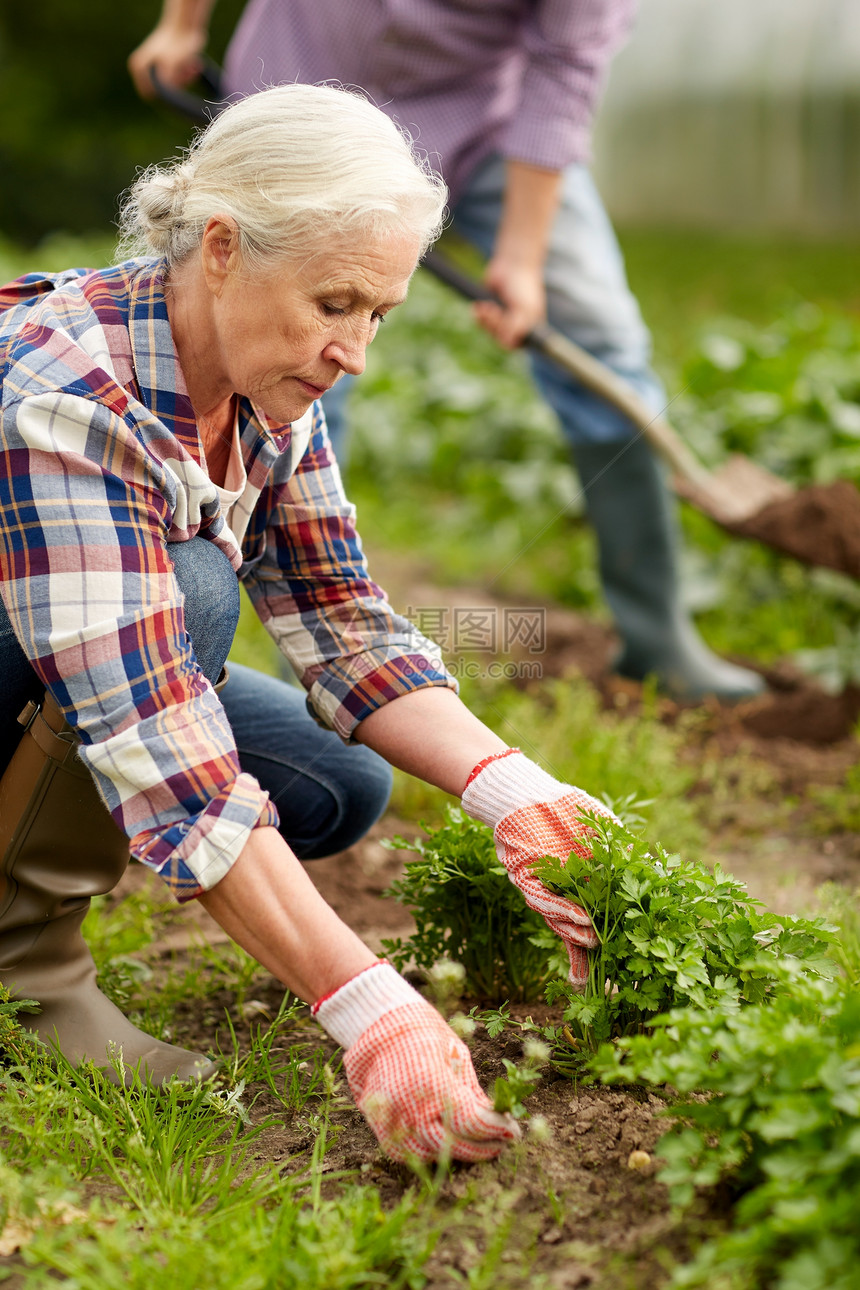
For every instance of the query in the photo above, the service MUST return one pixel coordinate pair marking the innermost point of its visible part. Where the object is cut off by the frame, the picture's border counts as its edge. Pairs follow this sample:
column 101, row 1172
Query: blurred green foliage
column 74, row 131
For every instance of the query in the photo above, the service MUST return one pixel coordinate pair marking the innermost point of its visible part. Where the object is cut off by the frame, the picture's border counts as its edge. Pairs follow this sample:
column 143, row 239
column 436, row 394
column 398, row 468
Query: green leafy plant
column 466, row 909
column 512, row 1088
column 780, row 1129
column 565, row 1055
column 671, row 933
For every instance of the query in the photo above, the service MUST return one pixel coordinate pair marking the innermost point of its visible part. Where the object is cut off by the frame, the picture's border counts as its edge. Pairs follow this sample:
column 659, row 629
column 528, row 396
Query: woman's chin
column 283, row 411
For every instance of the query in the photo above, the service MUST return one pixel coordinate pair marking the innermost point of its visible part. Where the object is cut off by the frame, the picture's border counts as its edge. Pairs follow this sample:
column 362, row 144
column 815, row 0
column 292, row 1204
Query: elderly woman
column 162, row 438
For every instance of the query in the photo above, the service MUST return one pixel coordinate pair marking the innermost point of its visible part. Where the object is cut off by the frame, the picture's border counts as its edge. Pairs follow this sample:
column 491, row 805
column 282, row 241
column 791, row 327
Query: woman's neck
column 194, row 337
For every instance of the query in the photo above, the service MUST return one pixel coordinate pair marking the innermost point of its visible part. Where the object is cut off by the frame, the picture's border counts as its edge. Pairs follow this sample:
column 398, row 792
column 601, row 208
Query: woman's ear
column 219, row 251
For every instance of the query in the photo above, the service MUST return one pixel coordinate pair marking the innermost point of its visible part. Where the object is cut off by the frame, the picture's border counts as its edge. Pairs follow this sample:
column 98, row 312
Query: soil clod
column 819, row 525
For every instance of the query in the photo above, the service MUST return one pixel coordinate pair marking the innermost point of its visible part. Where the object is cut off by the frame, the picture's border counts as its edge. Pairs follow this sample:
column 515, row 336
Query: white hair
column 293, row 166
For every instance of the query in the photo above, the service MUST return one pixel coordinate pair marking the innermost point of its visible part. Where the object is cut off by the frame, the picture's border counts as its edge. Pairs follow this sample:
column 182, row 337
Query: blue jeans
column 588, row 300
column 328, row 793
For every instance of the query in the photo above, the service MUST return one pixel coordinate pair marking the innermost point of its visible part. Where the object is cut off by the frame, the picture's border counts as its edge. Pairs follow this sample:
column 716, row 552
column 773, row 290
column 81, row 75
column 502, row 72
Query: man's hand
column 520, row 290
column 533, row 815
column 515, row 272
column 174, row 48
column 410, row 1075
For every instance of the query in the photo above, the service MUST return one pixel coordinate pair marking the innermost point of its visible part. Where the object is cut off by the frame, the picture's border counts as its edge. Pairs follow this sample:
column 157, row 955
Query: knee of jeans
column 210, row 590
column 357, row 803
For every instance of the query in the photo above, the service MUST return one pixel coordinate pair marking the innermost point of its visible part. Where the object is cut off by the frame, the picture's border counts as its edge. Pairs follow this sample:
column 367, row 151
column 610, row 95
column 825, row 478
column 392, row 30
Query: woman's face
column 284, row 337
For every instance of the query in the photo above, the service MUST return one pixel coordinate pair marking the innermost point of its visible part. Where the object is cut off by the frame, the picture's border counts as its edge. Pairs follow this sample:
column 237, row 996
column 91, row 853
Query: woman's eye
column 332, row 310
column 378, row 318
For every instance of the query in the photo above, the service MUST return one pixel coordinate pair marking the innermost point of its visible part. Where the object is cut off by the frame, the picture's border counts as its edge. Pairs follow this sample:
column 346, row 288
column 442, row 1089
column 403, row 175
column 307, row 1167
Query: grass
column 142, row 1178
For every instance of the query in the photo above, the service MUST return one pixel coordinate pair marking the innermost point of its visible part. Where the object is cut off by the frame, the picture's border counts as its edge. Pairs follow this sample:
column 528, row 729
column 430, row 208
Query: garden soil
column 567, row 1212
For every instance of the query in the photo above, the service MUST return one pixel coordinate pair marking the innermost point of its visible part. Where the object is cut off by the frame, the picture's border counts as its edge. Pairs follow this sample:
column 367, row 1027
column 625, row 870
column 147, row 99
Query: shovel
column 733, row 495
column 819, row 525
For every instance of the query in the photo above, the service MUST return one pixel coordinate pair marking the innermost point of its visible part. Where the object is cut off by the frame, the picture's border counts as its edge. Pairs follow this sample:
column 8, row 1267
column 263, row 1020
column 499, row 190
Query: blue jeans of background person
column 588, row 300
column 328, row 793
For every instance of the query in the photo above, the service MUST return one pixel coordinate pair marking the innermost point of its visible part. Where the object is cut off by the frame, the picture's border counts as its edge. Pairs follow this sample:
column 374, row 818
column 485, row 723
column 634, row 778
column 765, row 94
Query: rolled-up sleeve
column 567, row 46
column 312, row 590
column 91, row 594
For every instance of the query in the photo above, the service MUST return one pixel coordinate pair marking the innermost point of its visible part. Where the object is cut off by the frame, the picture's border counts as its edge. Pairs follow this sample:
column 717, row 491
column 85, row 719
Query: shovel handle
column 591, row 373
column 192, row 105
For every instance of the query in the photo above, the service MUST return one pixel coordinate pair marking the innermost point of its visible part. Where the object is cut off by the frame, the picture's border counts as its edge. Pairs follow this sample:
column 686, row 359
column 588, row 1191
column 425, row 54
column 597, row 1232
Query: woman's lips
column 316, row 391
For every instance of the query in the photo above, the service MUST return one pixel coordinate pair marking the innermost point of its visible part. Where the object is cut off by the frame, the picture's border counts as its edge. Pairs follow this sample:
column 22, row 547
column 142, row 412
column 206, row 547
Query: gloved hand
column 533, row 815
column 410, row 1076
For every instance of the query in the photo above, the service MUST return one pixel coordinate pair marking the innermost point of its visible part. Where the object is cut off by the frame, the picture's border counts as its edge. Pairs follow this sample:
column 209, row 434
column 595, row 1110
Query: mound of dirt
column 819, row 525
column 794, row 707
column 805, row 713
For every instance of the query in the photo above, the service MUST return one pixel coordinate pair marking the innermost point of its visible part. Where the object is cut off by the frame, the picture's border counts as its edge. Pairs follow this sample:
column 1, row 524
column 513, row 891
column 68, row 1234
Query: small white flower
column 462, row 1026
column 448, row 974
column 536, row 1052
column 540, row 1128
column 330, row 1081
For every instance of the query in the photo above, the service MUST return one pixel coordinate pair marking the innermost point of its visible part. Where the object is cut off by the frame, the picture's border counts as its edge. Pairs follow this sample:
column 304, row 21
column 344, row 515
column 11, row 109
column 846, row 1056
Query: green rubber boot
column 633, row 515
column 59, row 847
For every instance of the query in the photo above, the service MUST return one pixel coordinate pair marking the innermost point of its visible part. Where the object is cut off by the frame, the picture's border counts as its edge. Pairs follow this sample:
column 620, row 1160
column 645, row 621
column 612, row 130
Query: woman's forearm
column 432, row 735
column 269, row 906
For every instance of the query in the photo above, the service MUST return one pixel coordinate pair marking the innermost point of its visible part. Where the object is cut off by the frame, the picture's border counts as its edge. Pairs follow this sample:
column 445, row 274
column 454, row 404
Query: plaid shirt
column 101, row 467
column 465, row 78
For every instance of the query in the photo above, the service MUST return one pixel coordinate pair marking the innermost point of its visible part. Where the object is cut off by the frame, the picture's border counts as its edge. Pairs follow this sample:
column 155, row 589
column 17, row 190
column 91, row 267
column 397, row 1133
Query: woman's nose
column 349, row 352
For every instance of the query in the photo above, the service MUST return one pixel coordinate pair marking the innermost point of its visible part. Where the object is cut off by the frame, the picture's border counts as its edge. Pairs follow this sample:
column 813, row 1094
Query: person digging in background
column 162, row 438
column 503, row 94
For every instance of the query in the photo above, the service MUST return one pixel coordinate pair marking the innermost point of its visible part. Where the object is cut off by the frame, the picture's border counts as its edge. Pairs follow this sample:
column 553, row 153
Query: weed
column 466, row 909
column 292, row 1074
column 671, row 933
column 344, row 1244
column 14, row 1040
column 511, row 1089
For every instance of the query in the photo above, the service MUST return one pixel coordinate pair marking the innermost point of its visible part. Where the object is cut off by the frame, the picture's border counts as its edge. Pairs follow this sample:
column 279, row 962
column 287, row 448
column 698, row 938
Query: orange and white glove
column 410, row 1076
column 533, row 815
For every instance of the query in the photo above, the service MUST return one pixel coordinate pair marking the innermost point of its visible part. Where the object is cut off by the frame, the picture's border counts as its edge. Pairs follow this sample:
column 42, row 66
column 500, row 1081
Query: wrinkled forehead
column 362, row 270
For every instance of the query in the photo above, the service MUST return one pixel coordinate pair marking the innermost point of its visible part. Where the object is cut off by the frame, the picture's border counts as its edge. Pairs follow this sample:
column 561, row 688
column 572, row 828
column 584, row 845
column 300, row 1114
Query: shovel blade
column 735, row 492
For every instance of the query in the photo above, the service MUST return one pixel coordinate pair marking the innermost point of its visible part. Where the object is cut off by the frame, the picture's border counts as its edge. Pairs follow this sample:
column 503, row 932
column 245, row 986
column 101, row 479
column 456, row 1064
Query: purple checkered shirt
column 466, row 78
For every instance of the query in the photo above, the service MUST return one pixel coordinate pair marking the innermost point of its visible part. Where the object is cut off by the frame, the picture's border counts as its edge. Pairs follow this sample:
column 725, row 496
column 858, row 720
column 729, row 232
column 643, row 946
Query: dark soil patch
column 794, row 707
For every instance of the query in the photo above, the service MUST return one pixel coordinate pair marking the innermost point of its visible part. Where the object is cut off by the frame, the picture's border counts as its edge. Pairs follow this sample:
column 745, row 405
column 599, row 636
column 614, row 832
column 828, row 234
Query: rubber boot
column 633, row 515
column 59, row 846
